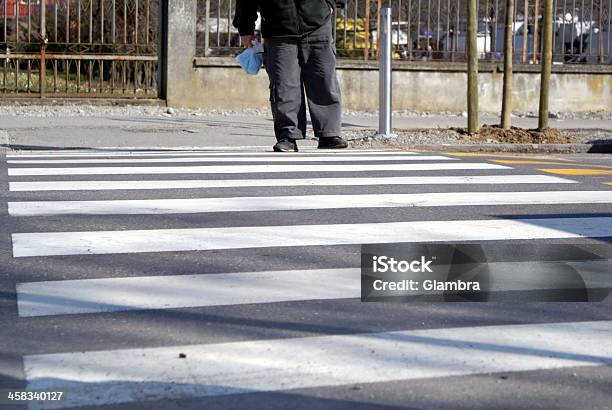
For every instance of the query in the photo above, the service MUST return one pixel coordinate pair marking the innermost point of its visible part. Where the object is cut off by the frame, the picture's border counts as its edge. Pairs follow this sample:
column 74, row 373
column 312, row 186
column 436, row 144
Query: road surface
column 230, row 280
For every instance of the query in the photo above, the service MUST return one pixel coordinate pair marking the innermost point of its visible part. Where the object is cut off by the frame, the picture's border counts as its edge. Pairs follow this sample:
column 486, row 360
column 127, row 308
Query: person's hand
column 246, row 40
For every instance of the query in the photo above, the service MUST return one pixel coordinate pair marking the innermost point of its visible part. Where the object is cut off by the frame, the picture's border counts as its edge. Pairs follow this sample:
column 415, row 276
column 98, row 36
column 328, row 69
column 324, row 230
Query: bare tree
column 508, row 55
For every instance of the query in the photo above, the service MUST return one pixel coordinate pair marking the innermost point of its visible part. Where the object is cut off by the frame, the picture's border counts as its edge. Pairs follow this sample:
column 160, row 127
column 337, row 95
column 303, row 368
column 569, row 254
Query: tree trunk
column 547, row 37
column 508, row 55
column 472, row 97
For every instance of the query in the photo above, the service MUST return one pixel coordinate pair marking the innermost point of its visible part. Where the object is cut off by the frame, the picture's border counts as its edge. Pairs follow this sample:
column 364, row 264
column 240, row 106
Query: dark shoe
column 332, row 143
column 286, row 145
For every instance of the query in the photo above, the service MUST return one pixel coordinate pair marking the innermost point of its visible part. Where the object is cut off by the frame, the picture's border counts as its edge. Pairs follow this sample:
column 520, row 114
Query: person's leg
column 318, row 59
column 286, row 90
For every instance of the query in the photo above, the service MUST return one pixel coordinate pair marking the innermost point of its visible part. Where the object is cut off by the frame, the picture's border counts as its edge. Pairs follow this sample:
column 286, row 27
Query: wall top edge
column 346, row 64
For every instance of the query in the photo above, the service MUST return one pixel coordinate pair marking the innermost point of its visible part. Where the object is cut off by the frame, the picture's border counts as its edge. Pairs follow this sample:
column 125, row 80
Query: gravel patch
column 134, row 111
column 368, row 138
column 128, row 110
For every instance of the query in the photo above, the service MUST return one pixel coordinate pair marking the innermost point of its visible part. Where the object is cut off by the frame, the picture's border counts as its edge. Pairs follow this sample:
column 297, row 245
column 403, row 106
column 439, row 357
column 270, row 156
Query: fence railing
column 435, row 30
column 79, row 47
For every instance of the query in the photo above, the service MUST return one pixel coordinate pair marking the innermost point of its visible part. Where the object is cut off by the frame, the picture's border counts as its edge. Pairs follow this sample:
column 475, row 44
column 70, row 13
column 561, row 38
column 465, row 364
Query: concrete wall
column 219, row 83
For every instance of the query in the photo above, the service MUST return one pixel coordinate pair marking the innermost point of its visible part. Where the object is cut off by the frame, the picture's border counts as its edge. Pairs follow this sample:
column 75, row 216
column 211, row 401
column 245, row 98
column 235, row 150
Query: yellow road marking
column 477, row 154
column 572, row 171
column 511, row 161
column 527, row 162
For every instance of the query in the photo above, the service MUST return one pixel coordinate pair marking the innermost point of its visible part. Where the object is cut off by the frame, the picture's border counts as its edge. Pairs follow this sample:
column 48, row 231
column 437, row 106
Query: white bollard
column 385, row 80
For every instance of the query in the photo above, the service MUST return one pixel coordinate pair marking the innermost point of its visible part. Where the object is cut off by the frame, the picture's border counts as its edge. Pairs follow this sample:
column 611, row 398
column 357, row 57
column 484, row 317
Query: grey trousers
column 300, row 69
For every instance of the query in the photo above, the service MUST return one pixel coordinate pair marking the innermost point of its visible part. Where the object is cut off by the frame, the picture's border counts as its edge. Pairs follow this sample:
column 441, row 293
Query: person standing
column 300, row 59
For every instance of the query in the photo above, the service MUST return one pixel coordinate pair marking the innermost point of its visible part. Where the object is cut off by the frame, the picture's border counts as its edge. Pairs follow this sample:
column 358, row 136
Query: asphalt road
column 245, row 292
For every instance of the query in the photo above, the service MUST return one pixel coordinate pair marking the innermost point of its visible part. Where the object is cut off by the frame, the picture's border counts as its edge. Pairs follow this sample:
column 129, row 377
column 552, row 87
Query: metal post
column 536, row 44
column 525, row 32
column 43, row 19
column 366, row 48
column 42, row 77
column 207, row 29
column 384, row 127
column 472, row 92
column 546, row 64
column 600, row 50
column 378, row 29
column 162, row 47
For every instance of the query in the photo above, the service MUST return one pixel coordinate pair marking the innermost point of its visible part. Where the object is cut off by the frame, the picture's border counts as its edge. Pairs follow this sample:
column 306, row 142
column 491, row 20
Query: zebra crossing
column 200, row 205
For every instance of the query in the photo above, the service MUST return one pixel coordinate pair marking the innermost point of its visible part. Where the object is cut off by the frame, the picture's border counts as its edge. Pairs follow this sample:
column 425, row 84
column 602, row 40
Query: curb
column 11, row 148
column 357, row 144
column 4, row 139
column 487, row 147
column 518, row 148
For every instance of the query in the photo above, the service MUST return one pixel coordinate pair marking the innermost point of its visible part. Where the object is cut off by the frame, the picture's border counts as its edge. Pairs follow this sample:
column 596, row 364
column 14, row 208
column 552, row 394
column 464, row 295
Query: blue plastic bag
column 251, row 59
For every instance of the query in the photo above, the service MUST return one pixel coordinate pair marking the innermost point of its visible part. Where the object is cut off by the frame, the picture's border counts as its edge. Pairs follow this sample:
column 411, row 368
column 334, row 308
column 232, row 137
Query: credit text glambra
column 384, row 264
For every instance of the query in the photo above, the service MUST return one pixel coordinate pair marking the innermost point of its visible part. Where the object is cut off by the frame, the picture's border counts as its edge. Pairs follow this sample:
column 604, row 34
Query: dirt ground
column 494, row 133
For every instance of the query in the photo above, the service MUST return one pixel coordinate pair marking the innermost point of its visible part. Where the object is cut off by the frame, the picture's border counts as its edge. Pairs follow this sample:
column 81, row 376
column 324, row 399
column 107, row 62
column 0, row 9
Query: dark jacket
column 283, row 17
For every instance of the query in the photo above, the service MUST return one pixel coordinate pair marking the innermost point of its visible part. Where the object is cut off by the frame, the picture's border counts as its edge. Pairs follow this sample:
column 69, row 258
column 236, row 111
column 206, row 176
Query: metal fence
column 435, row 30
column 92, row 48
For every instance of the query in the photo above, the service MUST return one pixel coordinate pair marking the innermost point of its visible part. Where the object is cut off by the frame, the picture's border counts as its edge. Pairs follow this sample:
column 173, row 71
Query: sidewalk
column 159, row 127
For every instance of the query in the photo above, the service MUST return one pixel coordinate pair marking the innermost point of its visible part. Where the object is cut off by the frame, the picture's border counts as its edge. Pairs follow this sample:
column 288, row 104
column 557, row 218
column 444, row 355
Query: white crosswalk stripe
column 120, row 376
column 192, row 239
column 166, row 292
column 303, row 202
column 293, row 159
column 62, row 297
column 283, row 182
column 245, row 169
column 131, row 373
column 214, row 153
